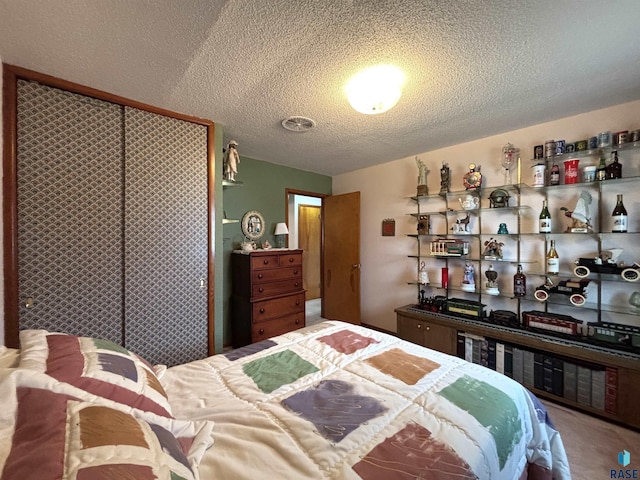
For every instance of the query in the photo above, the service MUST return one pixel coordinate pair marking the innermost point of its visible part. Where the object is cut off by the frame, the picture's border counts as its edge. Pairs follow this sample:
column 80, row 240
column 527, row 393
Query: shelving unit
column 228, row 184
column 608, row 294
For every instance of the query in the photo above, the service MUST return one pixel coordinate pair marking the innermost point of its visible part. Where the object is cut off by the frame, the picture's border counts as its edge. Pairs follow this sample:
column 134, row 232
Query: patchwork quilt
column 344, row 402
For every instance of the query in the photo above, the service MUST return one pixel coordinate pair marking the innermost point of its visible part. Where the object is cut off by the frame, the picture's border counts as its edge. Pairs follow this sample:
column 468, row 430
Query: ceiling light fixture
column 375, row 89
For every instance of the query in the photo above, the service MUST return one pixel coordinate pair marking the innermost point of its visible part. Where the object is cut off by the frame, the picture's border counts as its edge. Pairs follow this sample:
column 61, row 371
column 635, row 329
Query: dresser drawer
column 274, row 275
column 277, row 326
column 277, row 307
column 290, row 259
column 261, row 290
column 264, row 261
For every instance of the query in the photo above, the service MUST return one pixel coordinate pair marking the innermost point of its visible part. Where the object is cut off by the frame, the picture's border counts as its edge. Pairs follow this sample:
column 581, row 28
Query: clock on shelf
column 253, row 225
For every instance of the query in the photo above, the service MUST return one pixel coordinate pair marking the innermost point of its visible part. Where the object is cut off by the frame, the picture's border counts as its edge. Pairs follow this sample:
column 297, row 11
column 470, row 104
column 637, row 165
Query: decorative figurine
column 492, row 249
column 472, row 180
column 423, row 275
column 580, row 216
column 502, row 229
column 462, row 225
column 266, row 245
column 445, row 179
column 492, row 281
column 470, row 202
column 422, row 178
column 230, row 161
column 468, row 282
column 510, row 156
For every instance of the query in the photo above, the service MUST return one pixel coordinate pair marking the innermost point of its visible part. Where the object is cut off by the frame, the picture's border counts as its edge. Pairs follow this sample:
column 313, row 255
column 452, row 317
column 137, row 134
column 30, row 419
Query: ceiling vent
column 298, row 124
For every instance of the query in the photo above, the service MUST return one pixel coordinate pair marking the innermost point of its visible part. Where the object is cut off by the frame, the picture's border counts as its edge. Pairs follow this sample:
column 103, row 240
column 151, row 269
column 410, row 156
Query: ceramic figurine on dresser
column 492, row 281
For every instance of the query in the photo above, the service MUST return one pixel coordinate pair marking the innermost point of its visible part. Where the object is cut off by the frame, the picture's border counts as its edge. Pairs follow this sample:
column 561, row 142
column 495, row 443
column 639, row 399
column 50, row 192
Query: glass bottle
column 614, row 169
column 619, row 216
column 554, row 175
column 519, row 283
column 545, row 219
column 601, row 171
column 553, row 262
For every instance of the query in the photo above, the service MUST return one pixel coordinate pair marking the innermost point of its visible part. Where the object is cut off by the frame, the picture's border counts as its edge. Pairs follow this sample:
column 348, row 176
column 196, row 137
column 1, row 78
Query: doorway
column 304, row 220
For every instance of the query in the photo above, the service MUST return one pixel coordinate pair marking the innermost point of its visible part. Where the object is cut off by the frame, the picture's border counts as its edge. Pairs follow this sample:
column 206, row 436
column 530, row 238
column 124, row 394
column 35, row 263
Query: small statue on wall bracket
column 422, row 178
column 230, row 162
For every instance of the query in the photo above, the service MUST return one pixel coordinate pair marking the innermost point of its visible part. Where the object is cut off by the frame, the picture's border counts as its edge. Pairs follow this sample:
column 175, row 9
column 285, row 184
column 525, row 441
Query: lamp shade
column 375, row 89
column 281, row 229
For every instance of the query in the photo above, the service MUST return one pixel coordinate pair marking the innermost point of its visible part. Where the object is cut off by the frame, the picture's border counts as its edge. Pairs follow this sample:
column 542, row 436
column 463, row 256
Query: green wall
column 263, row 189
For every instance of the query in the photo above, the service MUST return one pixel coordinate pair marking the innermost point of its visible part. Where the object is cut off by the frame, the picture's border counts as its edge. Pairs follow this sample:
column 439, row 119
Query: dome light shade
column 375, row 89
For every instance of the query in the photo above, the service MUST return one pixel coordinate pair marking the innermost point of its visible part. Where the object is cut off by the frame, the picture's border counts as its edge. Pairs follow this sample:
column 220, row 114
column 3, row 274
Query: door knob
column 28, row 303
column 355, row 265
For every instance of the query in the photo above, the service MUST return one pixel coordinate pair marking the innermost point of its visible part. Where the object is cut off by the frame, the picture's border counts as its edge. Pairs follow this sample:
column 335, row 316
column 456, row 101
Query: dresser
column 267, row 296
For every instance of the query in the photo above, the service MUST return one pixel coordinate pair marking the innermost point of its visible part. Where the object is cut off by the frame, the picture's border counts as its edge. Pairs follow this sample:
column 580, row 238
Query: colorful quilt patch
column 118, row 365
column 413, row 453
column 245, row 351
column 58, row 436
column 334, row 408
column 492, row 408
column 402, row 365
column 347, row 342
column 270, row 373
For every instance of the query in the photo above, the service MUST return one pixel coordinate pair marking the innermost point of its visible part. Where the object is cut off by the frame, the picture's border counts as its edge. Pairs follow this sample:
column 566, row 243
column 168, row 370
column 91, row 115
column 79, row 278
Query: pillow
column 96, row 366
column 9, row 357
column 47, row 432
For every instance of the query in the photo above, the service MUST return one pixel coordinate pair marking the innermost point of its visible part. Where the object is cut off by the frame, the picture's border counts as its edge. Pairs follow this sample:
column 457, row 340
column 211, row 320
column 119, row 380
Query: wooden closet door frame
column 11, row 75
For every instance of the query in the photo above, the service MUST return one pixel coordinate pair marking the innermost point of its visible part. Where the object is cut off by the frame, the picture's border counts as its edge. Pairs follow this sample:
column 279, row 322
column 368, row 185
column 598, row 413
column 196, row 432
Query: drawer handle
column 419, row 325
column 295, row 284
column 297, row 302
column 428, row 328
column 297, row 322
column 261, row 331
column 290, row 259
column 295, row 272
column 261, row 289
column 262, row 310
column 266, row 262
column 259, row 275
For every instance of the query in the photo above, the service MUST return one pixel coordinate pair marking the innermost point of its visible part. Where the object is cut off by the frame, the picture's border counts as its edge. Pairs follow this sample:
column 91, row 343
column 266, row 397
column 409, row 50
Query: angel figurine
column 468, row 281
column 231, row 160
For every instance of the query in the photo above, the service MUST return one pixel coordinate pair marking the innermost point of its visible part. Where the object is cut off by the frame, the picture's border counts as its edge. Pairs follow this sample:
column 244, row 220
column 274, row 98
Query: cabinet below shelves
column 440, row 332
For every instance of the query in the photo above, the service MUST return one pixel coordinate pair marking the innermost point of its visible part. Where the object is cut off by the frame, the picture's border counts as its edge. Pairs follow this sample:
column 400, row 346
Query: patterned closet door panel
column 165, row 237
column 69, row 171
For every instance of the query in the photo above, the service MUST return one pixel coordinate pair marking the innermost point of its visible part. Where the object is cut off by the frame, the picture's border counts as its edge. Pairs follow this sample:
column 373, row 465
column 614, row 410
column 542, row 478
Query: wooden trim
column 211, row 153
column 11, row 75
column 10, row 209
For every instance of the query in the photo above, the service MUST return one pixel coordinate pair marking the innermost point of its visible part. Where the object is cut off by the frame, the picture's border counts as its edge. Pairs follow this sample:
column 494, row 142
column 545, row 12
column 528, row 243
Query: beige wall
column 1, row 236
column 385, row 191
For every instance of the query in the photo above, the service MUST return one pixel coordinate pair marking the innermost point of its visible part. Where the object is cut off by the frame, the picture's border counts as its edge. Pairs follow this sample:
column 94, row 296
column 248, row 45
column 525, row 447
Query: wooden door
column 341, row 269
column 309, row 232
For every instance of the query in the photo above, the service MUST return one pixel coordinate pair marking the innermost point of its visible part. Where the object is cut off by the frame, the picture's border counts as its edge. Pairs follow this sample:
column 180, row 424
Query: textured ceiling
column 474, row 67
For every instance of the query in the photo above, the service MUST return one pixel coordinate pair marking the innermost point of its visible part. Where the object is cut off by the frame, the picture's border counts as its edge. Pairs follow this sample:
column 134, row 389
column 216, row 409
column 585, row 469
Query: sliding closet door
column 166, row 232
column 69, row 194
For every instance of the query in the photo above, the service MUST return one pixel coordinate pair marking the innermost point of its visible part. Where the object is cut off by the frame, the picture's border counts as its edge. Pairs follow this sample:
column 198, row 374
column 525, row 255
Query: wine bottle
column 519, row 283
column 601, row 171
column 614, row 169
column 619, row 217
column 545, row 219
column 553, row 262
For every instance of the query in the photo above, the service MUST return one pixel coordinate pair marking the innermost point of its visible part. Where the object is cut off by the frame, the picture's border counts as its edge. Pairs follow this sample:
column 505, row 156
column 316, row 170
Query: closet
column 107, row 219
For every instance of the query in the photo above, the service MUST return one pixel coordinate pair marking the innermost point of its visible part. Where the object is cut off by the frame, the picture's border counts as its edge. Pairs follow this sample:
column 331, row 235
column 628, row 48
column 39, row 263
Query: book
column 499, row 357
column 547, row 373
column 527, row 368
column 518, row 365
column 611, row 390
column 570, row 381
column 508, row 360
column 558, row 376
column 583, row 391
column 598, row 389
column 538, row 371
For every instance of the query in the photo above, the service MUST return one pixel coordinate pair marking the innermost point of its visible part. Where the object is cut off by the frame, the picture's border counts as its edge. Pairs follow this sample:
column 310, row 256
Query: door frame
column 321, row 196
column 10, row 76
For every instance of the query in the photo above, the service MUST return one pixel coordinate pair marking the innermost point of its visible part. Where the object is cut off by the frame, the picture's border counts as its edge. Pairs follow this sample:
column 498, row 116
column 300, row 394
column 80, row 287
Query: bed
column 334, row 401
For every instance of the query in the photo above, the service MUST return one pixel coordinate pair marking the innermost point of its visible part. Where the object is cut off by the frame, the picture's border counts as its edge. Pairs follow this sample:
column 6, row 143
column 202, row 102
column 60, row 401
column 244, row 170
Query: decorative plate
column 253, row 225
